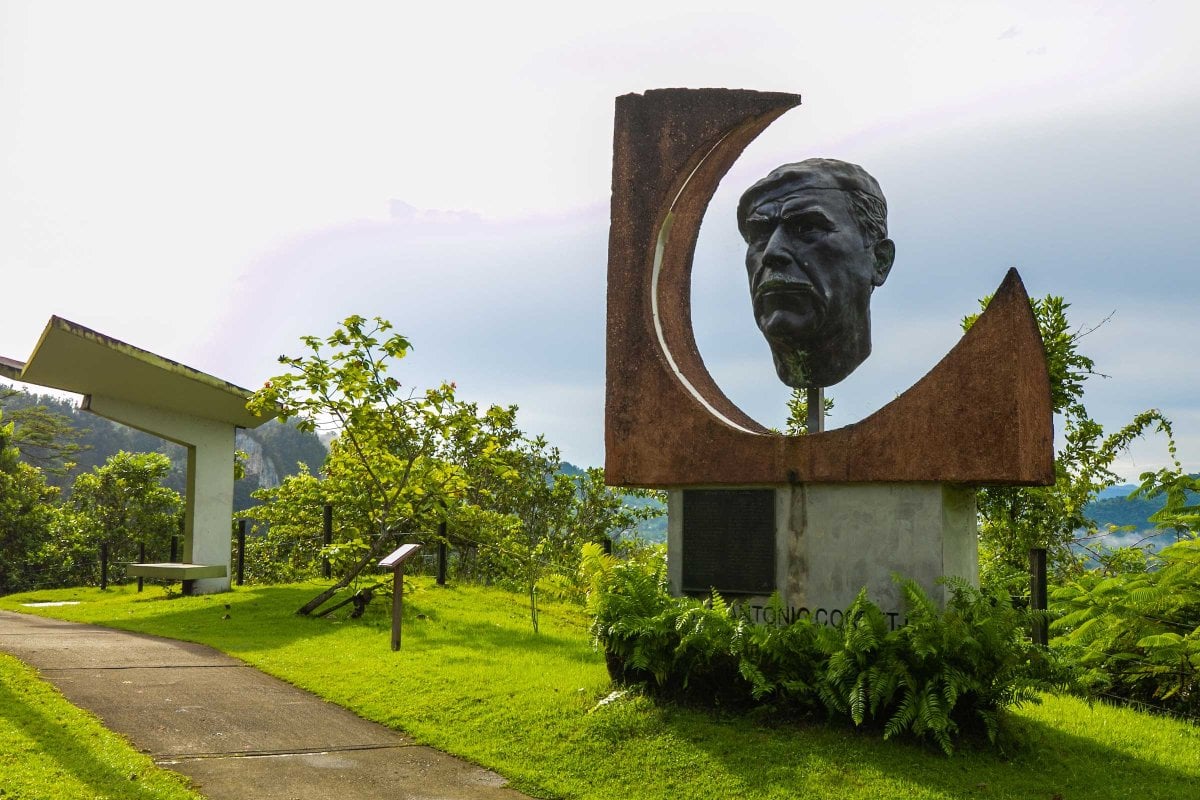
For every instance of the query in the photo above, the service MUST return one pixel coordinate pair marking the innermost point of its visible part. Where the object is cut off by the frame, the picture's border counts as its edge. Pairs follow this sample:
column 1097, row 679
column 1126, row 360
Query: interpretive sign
column 395, row 562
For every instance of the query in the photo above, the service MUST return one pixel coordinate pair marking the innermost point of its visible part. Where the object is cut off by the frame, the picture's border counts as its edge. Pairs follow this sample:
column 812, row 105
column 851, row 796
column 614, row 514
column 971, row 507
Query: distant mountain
column 1115, row 508
column 1121, row 491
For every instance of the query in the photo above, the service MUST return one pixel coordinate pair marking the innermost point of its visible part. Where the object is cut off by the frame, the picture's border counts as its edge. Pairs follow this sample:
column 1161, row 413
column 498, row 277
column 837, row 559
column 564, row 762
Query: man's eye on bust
column 759, row 230
column 808, row 226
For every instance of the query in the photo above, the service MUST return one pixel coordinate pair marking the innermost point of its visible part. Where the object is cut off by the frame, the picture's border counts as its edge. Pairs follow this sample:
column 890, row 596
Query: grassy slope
column 474, row 680
column 50, row 749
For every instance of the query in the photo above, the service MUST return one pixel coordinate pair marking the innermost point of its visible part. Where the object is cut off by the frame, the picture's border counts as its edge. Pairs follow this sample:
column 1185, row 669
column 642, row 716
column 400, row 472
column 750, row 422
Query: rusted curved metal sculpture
column 981, row 416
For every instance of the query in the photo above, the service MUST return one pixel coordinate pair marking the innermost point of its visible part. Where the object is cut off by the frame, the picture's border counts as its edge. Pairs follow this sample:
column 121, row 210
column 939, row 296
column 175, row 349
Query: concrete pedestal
column 831, row 540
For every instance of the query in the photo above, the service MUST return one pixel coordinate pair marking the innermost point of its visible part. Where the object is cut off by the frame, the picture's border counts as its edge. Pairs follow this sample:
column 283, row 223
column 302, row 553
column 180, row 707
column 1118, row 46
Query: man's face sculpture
column 817, row 246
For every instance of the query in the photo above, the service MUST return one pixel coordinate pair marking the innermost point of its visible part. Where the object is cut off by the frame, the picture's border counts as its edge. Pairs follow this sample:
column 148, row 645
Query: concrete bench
column 177, row 572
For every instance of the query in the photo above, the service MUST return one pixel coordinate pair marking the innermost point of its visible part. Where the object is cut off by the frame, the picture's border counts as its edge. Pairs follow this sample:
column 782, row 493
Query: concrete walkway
column 236, row 732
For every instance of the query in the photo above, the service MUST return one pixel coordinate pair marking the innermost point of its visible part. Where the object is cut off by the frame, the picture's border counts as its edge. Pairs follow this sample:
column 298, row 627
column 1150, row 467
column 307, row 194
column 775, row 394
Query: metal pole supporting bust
column 395, row 562
column 816, row 409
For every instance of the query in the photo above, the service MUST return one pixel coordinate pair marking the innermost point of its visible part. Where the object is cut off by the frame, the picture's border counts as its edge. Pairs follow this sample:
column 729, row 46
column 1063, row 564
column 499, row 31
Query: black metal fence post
column 1037, row 594
column 441, row 576
column 326, row 570
column 103, row 566
column 141, row 560
column 241, row 565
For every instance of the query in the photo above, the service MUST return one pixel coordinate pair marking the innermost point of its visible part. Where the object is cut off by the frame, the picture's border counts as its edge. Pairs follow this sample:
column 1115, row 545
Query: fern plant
column 1136, row 635
column 944, row 672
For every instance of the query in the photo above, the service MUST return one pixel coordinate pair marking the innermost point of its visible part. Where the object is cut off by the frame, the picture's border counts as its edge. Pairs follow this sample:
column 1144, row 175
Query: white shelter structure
column 137, row 388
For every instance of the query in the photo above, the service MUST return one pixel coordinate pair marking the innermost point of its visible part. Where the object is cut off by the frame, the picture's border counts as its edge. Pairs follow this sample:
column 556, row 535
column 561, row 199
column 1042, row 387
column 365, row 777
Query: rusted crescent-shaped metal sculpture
column 981, row 416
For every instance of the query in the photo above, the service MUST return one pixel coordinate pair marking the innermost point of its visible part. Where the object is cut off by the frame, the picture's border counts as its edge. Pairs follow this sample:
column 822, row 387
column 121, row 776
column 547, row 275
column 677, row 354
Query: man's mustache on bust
column 792, row 293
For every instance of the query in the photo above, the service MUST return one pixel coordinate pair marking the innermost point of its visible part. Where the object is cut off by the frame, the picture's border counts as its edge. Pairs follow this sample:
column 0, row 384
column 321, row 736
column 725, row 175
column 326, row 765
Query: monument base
column 818, row 545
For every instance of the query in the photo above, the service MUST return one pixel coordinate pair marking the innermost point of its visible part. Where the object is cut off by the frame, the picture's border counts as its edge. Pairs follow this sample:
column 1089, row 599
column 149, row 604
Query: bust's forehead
column 818, row 173
column 787, row 200
column 815, row 174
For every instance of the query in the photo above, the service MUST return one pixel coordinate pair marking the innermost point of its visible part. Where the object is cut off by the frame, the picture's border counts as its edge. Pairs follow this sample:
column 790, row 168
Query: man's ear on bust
column 885, row 254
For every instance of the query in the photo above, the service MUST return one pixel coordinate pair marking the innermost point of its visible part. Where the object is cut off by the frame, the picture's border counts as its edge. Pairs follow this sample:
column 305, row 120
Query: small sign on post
column 395, row 562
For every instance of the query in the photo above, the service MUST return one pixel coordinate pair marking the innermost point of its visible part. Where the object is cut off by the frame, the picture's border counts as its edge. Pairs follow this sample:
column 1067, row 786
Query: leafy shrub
column 942, row 674
column 1136, row 634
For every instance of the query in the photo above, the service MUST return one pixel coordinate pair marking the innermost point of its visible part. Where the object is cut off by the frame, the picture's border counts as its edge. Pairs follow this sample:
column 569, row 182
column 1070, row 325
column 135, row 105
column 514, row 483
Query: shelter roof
column 73, row 358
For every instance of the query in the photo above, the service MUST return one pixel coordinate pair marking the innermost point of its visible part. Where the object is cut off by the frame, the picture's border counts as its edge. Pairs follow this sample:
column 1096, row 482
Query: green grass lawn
column 474, row 680
column 50, row 749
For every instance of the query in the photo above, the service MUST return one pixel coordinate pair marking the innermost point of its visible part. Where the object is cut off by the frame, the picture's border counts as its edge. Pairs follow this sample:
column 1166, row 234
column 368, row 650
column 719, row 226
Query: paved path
column 236, row 732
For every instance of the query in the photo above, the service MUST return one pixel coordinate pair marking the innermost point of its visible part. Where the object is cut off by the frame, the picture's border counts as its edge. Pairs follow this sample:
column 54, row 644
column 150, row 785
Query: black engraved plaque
column 729, row 541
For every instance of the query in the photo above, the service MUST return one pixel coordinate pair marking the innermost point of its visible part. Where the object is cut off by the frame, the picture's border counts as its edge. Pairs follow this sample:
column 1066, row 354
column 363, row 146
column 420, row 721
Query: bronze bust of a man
column 817, row 246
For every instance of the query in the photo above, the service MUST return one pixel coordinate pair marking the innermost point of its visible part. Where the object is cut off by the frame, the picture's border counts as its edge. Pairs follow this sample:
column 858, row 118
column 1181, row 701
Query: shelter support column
column 210, row 445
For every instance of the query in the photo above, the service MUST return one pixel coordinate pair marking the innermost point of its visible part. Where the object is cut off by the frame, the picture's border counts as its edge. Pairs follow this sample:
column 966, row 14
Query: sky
column 212, row 180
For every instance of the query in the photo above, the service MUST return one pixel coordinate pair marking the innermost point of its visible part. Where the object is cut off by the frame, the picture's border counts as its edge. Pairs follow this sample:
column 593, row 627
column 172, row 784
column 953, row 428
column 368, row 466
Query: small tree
column 797, row 407
column 44, row 438
column 123, row 502
column 27, row 517
column 289, row 548
column 390, row 465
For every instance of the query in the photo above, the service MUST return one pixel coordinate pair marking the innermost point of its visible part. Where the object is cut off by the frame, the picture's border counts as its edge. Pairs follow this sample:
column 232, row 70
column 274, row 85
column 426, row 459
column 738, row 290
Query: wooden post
column 327, row 539
column 1037, row 594
column 241, row 564
column 397, row 604
column 141, row 560
column 816, row 409
column 395, row 562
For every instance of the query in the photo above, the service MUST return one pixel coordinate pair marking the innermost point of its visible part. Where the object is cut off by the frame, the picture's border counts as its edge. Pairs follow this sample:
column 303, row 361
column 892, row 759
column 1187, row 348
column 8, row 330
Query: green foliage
column 125, row 504
column 1180, row 495
column 943, row 673
column 541, row 516
column 287, row 546
column 389, row 470
column 797, row 408
column 72, row 442
column 940, row 671
column 45, row 437
column 28, row 518
column 405, row 461
column 1135, row 634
